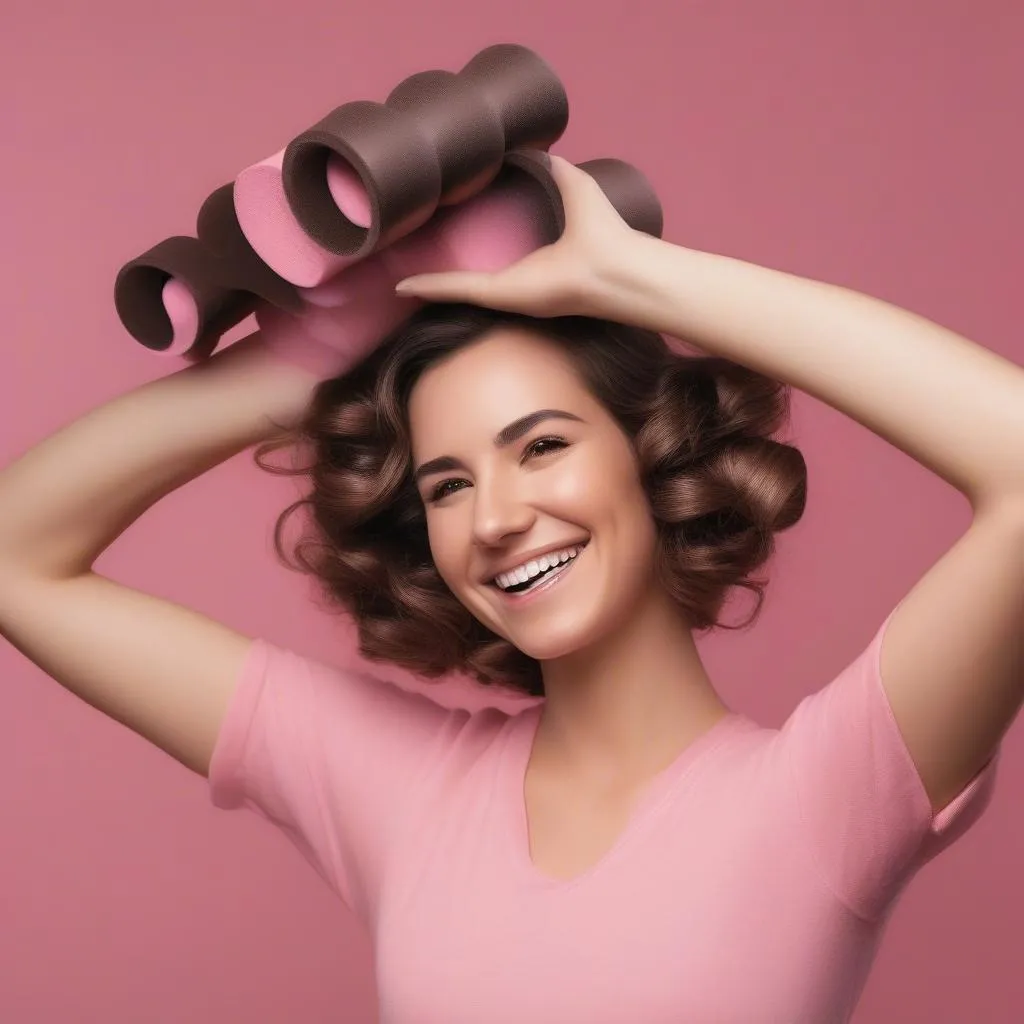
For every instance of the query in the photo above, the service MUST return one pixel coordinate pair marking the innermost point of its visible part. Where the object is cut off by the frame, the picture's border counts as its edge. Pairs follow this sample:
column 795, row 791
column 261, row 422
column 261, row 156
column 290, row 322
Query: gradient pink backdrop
column 875, row 145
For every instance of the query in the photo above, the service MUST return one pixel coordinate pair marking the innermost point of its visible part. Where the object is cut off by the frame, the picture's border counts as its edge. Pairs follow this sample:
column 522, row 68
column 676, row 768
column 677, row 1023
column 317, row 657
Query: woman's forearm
column 955, row 407
column 70, row 496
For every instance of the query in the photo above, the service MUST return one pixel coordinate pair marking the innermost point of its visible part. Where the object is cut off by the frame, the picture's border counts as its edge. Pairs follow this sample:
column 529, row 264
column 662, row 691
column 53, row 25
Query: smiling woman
column 471, row 453
column 559, row 505
column 437, row 477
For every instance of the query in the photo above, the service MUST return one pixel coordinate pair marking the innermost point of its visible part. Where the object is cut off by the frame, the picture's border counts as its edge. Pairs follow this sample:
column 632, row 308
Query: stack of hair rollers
column 449, row 173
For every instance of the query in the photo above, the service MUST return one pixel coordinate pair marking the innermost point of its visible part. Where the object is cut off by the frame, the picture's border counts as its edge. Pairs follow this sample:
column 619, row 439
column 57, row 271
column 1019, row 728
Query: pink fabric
column 752, row 883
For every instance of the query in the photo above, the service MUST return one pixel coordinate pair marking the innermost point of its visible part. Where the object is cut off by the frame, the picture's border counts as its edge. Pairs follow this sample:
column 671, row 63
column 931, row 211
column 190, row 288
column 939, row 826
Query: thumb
column 452, row 286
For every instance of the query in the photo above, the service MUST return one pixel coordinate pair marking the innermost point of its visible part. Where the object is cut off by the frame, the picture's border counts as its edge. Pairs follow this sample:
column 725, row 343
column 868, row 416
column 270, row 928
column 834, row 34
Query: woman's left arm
column 953, row 655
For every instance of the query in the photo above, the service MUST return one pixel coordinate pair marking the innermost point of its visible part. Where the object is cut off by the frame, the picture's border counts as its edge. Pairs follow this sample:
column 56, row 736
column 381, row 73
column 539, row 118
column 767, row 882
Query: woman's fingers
column 451, row 286
column 579, row 190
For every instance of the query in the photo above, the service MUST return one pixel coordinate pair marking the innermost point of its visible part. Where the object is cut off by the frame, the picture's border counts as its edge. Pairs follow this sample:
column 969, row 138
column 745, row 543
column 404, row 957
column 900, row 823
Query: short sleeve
column 330, row 757
column 861, row 800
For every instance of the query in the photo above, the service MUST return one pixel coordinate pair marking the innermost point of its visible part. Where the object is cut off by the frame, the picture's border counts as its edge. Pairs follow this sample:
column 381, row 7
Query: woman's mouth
column 518, row 593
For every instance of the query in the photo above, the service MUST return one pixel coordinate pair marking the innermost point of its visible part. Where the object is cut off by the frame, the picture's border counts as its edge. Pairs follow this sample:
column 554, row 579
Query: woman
column 629, row 848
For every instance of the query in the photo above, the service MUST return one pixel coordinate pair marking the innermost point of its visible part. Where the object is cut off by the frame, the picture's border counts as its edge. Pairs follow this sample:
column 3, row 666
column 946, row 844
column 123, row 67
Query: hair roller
column 438, row 137
column 450, row 173
column 184, row 293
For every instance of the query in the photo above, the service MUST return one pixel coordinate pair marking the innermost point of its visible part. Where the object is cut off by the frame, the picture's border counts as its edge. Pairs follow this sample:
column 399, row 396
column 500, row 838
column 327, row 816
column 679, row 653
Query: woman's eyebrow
column 506, row 436
column 517, row 428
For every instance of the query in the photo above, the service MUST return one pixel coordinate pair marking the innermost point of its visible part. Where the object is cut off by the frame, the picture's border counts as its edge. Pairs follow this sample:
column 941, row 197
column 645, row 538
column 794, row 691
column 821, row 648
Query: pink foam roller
column 368, row 277
column 487, row 233
column 355, row 309
column 268, row 223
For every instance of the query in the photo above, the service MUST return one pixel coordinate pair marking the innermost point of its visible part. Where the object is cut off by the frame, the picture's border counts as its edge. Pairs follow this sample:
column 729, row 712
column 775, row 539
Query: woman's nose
column 499, row 512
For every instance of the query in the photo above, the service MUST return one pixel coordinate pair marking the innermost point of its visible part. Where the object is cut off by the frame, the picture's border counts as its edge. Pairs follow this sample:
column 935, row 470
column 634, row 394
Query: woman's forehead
column 480, row 389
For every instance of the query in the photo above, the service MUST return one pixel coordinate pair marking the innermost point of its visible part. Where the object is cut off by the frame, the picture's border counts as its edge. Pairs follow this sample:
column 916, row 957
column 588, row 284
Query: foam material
column 449, row 173
column 438, row 139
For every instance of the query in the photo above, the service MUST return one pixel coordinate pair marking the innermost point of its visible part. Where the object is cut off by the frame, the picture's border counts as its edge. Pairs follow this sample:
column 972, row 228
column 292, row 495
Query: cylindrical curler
column 182, row 295
column 524, row 91
column 139, row 296
column 517, row 214
column 626, row 188
column 278, row 238
column 218, row 228
column 396, row 164
column 437, row 139
column 466, row 132
column 507, row 221
column 629, row 192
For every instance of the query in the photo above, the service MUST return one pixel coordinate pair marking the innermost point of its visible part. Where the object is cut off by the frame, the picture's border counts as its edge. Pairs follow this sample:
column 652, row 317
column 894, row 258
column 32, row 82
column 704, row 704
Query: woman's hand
column 570, row 277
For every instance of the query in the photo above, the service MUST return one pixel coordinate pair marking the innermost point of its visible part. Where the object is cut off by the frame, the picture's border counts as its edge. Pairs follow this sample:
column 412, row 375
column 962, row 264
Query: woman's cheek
column 581, row 484
column 449, row 545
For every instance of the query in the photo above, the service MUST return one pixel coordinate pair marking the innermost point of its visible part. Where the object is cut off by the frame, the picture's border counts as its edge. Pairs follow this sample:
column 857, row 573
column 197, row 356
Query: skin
column 625, row 687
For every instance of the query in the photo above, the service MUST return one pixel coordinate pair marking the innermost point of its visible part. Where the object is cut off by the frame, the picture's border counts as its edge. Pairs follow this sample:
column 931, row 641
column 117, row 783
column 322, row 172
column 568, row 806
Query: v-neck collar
column 516, row 759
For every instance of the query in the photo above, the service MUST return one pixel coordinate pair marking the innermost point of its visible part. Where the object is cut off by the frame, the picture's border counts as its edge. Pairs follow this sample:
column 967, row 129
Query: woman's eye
column 544, row 445
column 446, row 487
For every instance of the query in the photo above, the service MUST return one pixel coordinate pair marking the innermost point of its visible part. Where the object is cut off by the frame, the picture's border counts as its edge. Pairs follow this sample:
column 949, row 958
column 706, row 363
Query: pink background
column 875, row 145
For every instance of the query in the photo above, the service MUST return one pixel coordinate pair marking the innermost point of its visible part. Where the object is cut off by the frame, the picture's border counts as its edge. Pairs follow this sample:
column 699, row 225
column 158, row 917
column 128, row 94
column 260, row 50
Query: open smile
column 540, row 584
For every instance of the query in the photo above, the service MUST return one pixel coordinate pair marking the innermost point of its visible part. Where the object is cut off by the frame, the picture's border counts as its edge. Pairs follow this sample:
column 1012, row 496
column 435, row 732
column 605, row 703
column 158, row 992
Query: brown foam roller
column 437, row 139
column 221, row 271
column 217, row 226
column 138, row 294
column 629, row 192
column 626, row 188
column 469, row 141
column 525, row 91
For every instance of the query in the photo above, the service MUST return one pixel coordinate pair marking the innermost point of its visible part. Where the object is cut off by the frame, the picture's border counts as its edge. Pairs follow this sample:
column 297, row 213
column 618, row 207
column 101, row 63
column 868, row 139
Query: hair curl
column 719, row 486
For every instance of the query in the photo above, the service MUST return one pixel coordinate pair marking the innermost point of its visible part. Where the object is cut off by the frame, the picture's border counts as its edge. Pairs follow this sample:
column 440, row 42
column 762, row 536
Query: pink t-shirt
column 752, row 883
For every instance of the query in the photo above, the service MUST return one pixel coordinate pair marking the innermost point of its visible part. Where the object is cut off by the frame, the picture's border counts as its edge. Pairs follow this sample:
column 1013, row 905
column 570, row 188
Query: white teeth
column 535, row 566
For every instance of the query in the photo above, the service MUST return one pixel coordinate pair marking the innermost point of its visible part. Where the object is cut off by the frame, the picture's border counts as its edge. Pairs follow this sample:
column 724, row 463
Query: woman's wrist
column 252, row 374
column 627, row 287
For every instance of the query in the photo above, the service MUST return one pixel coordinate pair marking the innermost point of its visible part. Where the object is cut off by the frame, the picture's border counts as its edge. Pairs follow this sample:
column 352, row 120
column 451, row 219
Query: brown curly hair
column 719, row 487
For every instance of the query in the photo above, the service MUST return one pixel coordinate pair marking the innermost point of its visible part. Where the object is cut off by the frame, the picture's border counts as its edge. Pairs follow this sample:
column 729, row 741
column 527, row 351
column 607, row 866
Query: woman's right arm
column 164, row 671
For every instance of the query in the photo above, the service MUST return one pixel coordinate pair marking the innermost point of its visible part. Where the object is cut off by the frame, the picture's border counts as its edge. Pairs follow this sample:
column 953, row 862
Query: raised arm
column 952, row 662
column 953, row 657
column 164, row 671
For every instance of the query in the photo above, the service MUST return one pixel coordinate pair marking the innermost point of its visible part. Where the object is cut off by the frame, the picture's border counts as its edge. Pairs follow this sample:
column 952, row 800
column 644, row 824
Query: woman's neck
column 628, row 704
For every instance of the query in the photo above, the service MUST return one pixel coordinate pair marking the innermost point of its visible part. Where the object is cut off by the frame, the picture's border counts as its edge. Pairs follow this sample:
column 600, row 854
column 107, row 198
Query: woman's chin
column 551, row 645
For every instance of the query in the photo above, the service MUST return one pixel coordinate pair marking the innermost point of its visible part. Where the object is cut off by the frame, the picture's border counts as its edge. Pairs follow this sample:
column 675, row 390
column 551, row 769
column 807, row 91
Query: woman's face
column 526, row 477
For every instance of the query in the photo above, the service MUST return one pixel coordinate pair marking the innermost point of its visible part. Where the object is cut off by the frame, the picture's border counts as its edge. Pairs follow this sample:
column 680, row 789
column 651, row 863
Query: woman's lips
column 547, row 583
